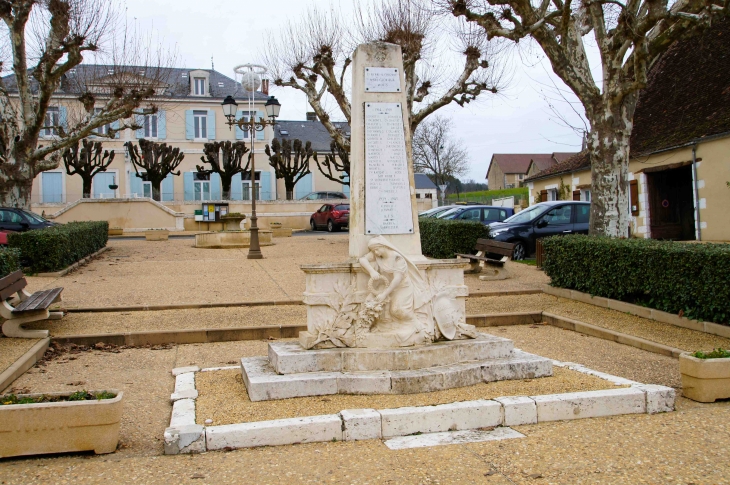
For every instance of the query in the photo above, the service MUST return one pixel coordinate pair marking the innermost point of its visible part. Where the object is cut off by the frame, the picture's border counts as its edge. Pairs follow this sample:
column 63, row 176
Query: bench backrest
column 496, row 247
column 11, row 284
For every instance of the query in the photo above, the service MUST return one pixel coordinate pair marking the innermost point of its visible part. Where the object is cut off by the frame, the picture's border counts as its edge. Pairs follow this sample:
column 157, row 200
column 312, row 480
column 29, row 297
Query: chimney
column 265, row 86
column 311, row 116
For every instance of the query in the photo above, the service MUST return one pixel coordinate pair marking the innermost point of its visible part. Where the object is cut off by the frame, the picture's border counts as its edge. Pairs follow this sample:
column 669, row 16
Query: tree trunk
column 86, row 190
column 156, row 190
column 608, row 145
column 289, row 185
column 18, row 194
column 226, row 187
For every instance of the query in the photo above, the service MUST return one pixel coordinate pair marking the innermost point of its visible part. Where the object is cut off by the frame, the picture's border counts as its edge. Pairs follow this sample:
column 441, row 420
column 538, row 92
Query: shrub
column 675, row 277
column 9, row 261
column 443, row 239
column 55, row 248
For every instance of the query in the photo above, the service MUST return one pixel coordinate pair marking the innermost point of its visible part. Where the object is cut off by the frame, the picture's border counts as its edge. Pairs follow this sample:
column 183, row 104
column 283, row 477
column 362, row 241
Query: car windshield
column 342, row 207
column 527, row 215
column 33, row 217
column 449, row 213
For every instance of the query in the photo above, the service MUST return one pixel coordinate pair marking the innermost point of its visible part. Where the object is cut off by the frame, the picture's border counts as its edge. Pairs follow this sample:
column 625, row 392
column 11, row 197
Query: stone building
column 509, row 170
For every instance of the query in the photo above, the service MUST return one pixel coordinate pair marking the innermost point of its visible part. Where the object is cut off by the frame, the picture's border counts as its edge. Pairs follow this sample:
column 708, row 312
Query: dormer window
column 72, row 71
column 200, row 86
column 110, row 71
column 220, row 85
column 184, row 75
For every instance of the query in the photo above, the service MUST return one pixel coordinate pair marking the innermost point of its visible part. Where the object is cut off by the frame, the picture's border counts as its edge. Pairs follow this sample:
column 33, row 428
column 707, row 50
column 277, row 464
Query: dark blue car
column 485, row 214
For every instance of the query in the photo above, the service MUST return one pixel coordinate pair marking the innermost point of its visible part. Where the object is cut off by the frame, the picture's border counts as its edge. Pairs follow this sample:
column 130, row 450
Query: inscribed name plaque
column 387, row 191
column 382, row 80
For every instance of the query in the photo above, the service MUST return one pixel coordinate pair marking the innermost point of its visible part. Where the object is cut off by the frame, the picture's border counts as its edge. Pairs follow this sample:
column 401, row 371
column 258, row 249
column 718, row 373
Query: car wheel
column 331, row 226
column 312, row 224
column 518, row 251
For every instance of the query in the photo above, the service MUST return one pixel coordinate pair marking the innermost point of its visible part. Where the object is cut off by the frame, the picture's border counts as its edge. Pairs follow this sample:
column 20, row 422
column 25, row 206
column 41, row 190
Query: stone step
column 292, row 358
column 263, row 383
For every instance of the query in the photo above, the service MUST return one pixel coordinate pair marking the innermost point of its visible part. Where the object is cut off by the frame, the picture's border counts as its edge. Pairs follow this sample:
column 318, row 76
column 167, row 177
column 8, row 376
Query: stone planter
column 58, row 427
column 232, row 223
column 230, row 239
column 281, row 231
column 156, row 235
column 704, row 380
column 116, row 231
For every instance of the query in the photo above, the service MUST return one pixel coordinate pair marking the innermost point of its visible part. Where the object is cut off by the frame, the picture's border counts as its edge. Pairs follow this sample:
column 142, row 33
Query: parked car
column 331, row 216
column 20, row 220
column 324, row 195
column 485, row 214
column 541, row 220
column 436, row 211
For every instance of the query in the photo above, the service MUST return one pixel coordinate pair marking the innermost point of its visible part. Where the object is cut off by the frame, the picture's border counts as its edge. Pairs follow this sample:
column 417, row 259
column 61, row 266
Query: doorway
column 671, row 204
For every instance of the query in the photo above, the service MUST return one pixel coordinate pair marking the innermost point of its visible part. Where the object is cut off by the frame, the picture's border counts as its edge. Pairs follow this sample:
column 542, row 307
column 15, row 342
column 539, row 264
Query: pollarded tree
column 225, row 159
column 158, row 161
column 86, row 162
column 437, row 153
column 45, row 41
column 290, row 162
column 630, row 36
column 337, row 161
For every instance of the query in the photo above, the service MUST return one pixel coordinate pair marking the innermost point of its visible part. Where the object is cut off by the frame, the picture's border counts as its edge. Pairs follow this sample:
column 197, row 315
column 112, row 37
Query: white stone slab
column 659, row 399
column 452, row 438
column 377, row 382
column 444, row 417
column 619, row 381
column 183, row 413
column 382, row 80
column 277, row 432
column 589, row 404
column 263, row 384
column 186, row 394
column 520, row 366
column 518, row 410
column 182, row 370
column 387, row 187
column 184, row 439
column 360, row 424
column 185, row 382
column 214, row 369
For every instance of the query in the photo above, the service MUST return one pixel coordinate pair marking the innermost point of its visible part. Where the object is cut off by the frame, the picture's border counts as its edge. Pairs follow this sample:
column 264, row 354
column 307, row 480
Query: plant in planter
column 705, row 375
column 60, row 422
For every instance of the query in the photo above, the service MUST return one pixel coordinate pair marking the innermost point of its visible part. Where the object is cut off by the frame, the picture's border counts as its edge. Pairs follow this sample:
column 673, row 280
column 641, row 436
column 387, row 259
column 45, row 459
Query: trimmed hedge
column 9, row 261
column 443, row 239
column 55, row 248
column 669, row 276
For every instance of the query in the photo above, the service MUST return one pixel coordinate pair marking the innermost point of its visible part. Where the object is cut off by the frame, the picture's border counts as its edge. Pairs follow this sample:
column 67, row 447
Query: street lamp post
column 250, row 82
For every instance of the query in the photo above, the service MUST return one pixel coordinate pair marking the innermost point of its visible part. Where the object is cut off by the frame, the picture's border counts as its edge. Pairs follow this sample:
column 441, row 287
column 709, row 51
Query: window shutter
column 140, row 121
column 239, row 132
column 135, row 184
column 167, row 188
column 260, row 135
column 211, row 129
column 188, row 187
column 265, row 186
column 161, row 125
column 236, row 187
column 634, row 197
column 52, row 187
column 215, row 186
column 346, row 188
column 189, row 135
column 543, row 196
column 303, row 187
column 63, row 118
column 576, row 195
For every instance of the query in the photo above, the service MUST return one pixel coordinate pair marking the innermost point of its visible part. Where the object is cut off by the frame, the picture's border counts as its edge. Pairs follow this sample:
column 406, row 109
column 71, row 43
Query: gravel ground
column 672, row 448
column 663, row 333
column 523, row 277
column 223, row 398
column 11, row 349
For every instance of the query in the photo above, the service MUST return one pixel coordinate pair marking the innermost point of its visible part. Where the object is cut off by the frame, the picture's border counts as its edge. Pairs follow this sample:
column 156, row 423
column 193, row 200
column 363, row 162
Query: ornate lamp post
column 250, row 81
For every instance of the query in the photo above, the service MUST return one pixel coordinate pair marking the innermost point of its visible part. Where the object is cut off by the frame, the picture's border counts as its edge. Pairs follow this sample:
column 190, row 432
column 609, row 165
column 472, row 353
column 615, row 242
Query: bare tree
column 46, row 41
column 290, row 162
column 225, row 159
column 86, row 162
column 312, row 56
column 157, row 159
column 336, row 164
column 630, row 35
column 437, row 153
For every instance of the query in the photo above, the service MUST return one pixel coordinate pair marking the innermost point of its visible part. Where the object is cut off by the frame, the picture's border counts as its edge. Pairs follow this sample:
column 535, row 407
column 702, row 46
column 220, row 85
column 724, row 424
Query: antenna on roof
column 212, row 66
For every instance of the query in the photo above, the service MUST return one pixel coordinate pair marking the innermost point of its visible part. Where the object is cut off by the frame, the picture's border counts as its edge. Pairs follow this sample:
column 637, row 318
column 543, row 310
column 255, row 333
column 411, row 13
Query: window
column 495, row 215
column 418, row 196
column 104, row 129
column 429, row 195
column 324, row 208
column 52, row 187
column 51, row 121
column 470, row 215
column 552, row 194
column 200, row 119
column 585, row 195
column 521, row 176
column 11, row 216
column 342, row 207
column 559, row 215
column 246, row 185
column 150, row 126
column 146, row 189
column 199, row 86
column 201, row 181
column 583, row 214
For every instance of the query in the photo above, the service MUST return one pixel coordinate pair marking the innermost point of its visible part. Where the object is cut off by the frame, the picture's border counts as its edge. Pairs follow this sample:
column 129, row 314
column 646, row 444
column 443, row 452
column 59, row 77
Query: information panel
column 387, row 191
column 382, row 80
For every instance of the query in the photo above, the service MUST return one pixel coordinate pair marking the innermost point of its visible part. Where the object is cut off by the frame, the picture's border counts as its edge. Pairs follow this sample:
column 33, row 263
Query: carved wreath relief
column 400, row 306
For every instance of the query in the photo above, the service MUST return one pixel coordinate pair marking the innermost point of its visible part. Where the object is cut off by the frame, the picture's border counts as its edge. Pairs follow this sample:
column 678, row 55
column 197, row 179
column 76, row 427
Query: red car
column 331, row 216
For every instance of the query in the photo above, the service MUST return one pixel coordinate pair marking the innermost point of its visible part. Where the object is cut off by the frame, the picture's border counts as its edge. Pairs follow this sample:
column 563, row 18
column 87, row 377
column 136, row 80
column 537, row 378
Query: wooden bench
column 485, row 248
column 20, row 307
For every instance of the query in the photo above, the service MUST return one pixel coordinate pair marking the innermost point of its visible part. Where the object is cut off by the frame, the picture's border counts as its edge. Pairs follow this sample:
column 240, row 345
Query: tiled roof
column 687, row 96
column 520, row 162
column 312, row 131
column 579, row 161
column 423, row 182
column 179, row 87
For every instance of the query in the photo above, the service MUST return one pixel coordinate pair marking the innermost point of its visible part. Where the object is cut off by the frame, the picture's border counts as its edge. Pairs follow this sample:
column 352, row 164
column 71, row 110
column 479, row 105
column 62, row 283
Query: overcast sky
column 233, row 31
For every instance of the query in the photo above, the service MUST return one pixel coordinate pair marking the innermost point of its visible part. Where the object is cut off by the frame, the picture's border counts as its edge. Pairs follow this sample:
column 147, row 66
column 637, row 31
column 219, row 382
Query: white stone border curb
column 184, row 436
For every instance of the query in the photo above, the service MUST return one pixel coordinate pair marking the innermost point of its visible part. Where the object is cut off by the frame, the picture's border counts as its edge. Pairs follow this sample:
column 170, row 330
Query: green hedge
column 442, row 239
column 669, row 276
column 55, row 248
column 9, row 261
